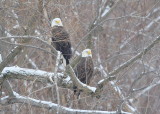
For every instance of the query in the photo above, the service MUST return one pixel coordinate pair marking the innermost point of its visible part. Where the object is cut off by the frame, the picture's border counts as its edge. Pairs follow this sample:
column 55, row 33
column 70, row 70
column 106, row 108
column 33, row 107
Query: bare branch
column 133, row 59
column 32, row 37
column 10, row 57
column 49, row 105
column 56, row 80
column 30, row 46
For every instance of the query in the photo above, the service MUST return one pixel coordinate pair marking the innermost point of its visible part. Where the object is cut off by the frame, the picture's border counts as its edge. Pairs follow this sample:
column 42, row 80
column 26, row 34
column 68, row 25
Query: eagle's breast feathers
column 61, row 41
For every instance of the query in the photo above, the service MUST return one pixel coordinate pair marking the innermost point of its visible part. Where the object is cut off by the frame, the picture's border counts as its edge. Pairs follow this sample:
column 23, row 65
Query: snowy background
column 119, row 31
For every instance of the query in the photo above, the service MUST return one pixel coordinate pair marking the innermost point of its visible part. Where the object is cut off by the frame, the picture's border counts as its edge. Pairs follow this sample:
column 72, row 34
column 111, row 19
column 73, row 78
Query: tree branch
column 32, row 37
column 133, row 59
column 78, row 83
column 49, row 105
column 34, row 75
column 101, row 83
column 56, row 80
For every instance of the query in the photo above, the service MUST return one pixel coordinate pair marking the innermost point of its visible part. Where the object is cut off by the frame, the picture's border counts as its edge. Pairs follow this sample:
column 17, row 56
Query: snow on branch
column 78, row 83
column 0, row 58
column 43, row 76
column 37, row 75
column 31, row 62
column 88, row 89
column 28, row 74
column 13, row 53
column 49, row 105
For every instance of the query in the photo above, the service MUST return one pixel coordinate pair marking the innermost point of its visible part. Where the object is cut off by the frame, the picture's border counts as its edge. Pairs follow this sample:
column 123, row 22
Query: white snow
column 151, row 23
column 116, row 88
column 0, row 58
column 77, row 53
column 154, row 11
column 93, row 89
column 31, row 62
column 133, row 109
column 14, row 14
column 3, row 98
column 105, row 11
column 100, row 81
column 67, row 79
column 17, row 23
column 12, row 40
column 8, row 34
column 16, row 26
column 26, row 71
column 95, row 22
column 37, row 32
column 61, row 67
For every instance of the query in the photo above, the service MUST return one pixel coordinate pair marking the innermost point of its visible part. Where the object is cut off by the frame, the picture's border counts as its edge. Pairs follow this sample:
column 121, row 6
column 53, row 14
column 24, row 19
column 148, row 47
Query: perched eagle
column 60, row 38
column 84, row 69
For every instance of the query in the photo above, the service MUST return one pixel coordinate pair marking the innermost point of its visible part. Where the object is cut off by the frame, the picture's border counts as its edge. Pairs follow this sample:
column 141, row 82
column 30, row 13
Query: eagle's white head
column 56, row 22
column 87, row 53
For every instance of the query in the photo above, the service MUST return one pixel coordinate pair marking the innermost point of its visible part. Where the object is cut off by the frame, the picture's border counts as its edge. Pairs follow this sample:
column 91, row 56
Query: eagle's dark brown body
column 61, row 41
column 84, row 71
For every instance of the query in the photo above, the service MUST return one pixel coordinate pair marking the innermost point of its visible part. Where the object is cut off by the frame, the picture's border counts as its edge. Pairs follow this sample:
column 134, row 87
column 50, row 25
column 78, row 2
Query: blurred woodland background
column 118, row 30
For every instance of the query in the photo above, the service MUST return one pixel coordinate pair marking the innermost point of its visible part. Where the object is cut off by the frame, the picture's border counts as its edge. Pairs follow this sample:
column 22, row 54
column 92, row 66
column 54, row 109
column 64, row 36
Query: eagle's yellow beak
column 58, row 21
column 89, row 52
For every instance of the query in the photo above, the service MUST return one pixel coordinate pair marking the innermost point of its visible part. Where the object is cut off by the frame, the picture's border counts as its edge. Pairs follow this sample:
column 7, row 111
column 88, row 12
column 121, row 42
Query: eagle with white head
column 84, row 69
column 60, row 39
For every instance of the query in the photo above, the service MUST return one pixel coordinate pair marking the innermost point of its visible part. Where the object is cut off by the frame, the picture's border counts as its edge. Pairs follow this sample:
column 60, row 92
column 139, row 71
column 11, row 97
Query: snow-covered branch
column 103, row 82
column 42, row 76
column 78, row 83
column 28, row 74
column 49, row 105
column 35, row 75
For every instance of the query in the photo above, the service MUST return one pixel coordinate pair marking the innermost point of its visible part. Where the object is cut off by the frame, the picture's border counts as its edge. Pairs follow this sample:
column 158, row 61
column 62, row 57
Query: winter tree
column 124, row 38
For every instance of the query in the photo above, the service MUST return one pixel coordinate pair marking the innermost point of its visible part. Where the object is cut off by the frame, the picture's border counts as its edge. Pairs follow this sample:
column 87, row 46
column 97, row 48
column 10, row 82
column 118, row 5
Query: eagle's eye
column 58, row 21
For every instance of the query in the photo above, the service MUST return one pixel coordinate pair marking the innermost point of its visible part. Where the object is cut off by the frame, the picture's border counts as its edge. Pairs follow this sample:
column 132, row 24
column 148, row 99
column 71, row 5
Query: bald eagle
column 84, row 69
column 60, row 39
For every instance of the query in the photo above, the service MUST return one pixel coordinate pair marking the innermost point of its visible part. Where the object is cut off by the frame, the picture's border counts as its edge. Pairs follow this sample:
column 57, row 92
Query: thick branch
column 34, row 75
column 49, row 105
column 78, row 83
column 4, row 63
column 65, row 82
